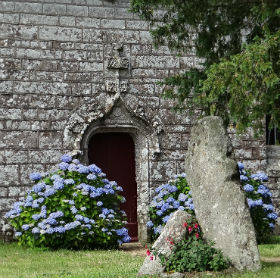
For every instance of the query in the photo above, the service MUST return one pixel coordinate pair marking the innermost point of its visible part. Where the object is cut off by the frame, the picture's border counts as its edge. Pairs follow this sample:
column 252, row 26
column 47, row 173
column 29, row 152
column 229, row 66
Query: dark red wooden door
column 114, row 153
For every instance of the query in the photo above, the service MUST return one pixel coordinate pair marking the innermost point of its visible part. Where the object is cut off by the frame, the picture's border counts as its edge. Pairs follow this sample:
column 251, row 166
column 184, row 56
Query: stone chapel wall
column 54, row 60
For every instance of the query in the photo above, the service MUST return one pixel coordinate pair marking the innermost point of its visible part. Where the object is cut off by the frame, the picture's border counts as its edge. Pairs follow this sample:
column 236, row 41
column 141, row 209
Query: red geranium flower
column 196, row 226
column 197, row 235
column 190, row 229
column 185, row 224
column 148, row 253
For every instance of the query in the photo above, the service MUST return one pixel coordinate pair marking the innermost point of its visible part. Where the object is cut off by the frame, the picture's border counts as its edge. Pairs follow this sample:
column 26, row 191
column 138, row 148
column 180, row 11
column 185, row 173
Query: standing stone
column 173, row 229
column 219, row 202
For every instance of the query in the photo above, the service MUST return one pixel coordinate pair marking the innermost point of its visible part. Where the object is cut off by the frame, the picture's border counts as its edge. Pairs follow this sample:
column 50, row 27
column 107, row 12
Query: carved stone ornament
column 118, row 61
column 91, row 112
column 116, row 86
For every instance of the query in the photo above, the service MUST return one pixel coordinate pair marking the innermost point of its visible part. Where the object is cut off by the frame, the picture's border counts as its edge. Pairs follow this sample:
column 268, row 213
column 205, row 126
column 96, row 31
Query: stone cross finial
column 117, row 63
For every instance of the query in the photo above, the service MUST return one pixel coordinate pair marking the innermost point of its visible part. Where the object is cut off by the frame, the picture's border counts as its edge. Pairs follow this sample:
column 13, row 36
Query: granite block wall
column 56, row 68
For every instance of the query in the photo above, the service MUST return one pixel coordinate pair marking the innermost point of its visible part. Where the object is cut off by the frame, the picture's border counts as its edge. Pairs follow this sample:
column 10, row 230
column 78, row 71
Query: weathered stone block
column 39, row 19
column 101, row 12
column 16, row 157
column 28, row 7
column 77, row 10
column 18, row 139
column 6, row 6
column 60, row 33
column 220, row 204
column 113, row 24
column 9, row 175
column 49, row 140
column 162, row 169
column 54, row 9
column 9, row 18
column 92, row 35
column 88, row 22
column 173, row 229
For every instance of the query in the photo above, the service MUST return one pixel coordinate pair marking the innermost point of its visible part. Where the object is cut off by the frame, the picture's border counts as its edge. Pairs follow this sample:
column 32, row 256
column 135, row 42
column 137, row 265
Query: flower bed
column 75, row 207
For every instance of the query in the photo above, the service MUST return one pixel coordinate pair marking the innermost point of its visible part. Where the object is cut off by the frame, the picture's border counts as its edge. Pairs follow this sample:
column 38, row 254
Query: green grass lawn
column 20, row 262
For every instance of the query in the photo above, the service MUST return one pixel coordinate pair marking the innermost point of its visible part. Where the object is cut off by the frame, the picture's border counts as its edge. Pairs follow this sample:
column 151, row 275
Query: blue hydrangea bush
column 75, row 207
column 177, row 195
column 259, row 200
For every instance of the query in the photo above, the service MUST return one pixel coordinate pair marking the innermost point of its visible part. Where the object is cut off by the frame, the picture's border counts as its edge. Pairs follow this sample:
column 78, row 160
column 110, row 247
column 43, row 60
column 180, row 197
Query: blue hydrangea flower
column 50, row 230
column 79, row 217
column 248, row 188
column 165, row 207
column 150, row 224
column 259, row 176
column 35, row 230
column 83, row 169
column 182, row 197
column 243, row 178
column 126, row 239
column 69, row 182
column 95, row 169
column 122, row 231
column 72, row 167
column 59, row 229
column 119, row 188
column 272, row 216
column 172, row 189
column 176, row 204
column 63, row 166
column 25, row 227
column 66, row 158
column 57, row 214
column 58, row 185
column 36, row 217
column 99, row 203
column 271, row 225
column 268, row 207
column 55, row 177
column 157, row 230
column 191, row 206
column 159, row 204
column 240, row 165
column 88, row 226
column 91, row 176
column 166, row 218
column 181, row 208
column 35, row 176
column 18, row 234
column 158, row 189
column 159, row 212
column 73, row 209
column 51, row 221
column 29, row 198
column 38, row 187
column 170, row 199
column 49, row 192
column 83, row 208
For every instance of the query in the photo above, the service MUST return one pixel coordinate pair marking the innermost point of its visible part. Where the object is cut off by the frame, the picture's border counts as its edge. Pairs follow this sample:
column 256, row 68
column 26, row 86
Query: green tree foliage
column 239, row 43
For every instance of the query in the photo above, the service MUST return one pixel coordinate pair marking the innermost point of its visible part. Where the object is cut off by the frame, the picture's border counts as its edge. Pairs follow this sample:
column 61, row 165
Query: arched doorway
column 114, row 153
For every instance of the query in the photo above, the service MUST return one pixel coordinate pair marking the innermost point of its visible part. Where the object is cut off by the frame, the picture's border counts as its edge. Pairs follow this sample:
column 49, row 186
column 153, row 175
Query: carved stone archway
column 116, row 116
